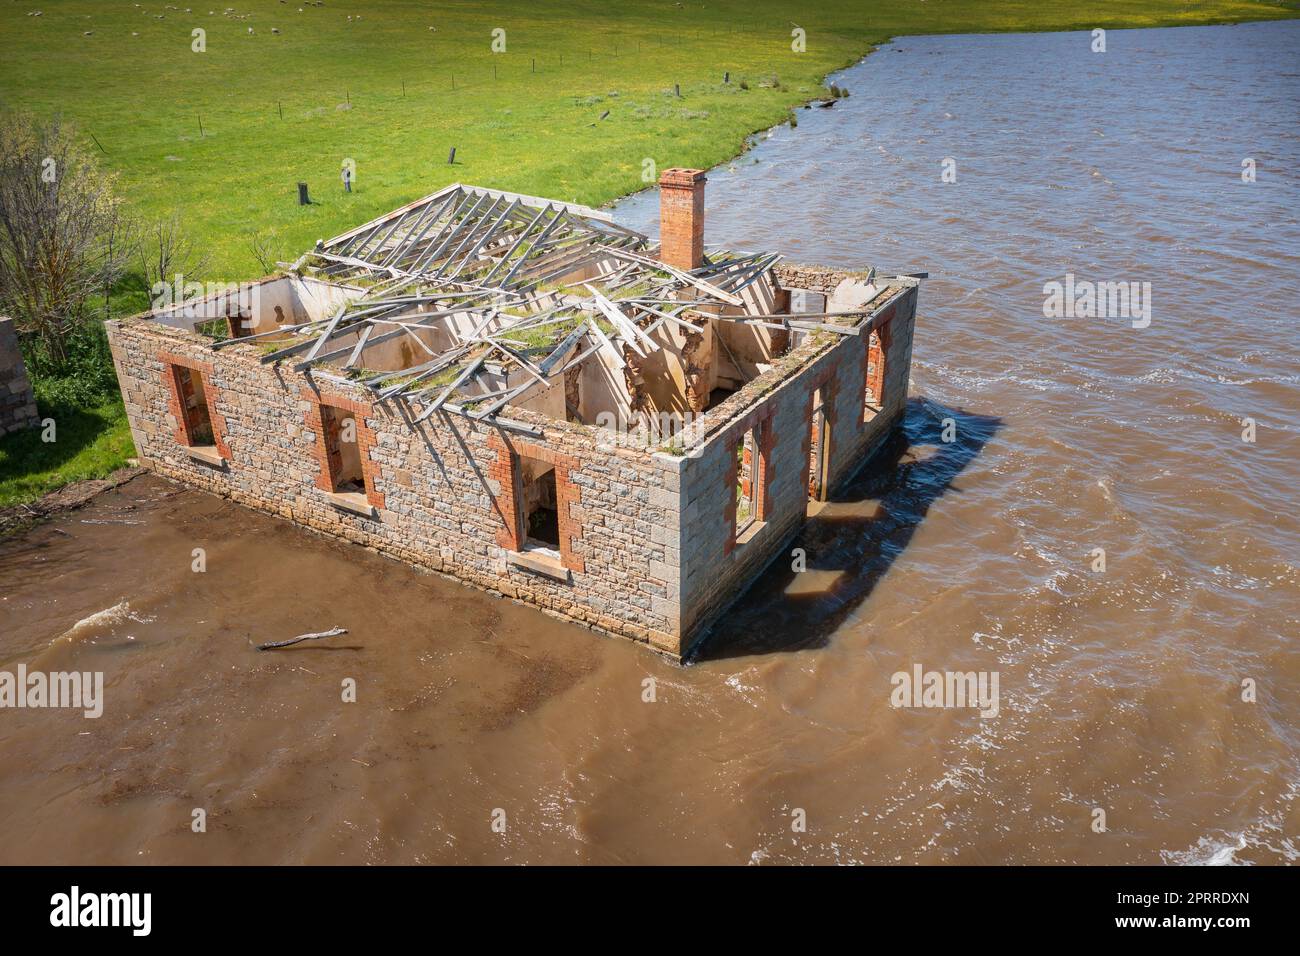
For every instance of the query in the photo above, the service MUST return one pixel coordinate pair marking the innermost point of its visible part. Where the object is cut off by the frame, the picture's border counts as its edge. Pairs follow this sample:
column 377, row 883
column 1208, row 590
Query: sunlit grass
column 582, row 106
column 276, row 109
column 88, row 443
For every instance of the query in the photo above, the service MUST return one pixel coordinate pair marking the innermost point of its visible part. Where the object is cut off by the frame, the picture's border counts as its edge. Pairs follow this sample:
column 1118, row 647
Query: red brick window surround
column 749, row 474
column 344, row 442
column 523, row 526
column 877, row 349
column 192, row 401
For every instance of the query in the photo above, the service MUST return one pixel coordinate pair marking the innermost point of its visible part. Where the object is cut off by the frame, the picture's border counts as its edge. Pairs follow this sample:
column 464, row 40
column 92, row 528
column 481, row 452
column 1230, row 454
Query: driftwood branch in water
column 332, row 632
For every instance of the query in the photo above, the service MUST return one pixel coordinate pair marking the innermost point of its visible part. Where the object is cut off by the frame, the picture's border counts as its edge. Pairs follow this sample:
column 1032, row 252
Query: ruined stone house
column 525, row 395
column 17, row 401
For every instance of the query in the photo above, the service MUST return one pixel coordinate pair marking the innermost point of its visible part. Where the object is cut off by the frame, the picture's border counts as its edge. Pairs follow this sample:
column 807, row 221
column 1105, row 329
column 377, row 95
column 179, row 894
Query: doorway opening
column 749, row 486
column 819, row 445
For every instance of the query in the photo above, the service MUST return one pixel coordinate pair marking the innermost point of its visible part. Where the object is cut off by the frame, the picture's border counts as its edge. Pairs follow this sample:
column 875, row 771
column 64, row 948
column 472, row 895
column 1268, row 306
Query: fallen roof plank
column 678, row 273
column 623, row 323
column 469, row 370
column 561, row 350
column 605, row 342
column 361, row 345
column 508, row 424
column 444, row 361
column 282, row 330
column 526, row 365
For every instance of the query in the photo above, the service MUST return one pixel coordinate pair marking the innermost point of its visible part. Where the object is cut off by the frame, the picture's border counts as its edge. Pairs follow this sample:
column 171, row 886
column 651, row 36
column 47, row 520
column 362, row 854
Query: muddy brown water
column 1118, row 690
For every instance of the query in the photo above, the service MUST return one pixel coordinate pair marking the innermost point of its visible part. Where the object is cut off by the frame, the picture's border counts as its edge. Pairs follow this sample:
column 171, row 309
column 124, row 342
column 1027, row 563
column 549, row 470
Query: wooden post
column 280, row 107
column 200, row 125
column 451, row 157
column 303, row 200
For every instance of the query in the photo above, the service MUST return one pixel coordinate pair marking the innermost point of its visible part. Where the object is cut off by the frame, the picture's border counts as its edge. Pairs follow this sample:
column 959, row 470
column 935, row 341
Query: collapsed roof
column 499, row 293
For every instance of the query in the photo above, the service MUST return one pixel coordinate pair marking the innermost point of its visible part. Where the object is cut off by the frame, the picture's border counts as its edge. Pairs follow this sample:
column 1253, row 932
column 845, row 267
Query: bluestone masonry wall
column 17, row 404
column 715, row 570
column 647, row 535
column 440, row 501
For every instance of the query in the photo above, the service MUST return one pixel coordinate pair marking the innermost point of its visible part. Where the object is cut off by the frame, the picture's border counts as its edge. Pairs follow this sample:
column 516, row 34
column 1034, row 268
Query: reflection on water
column 1119, row 689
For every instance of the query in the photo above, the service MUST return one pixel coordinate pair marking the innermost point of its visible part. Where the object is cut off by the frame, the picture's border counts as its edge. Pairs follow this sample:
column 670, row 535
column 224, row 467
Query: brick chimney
column 681, row 218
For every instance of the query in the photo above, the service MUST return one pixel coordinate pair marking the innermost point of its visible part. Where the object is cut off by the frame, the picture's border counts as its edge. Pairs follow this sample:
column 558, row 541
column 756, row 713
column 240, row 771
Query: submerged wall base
column 648, row 537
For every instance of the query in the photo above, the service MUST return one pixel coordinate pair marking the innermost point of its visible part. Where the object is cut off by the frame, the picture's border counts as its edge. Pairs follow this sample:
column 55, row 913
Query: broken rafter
column 518, row 242
column 747, row 276
column 630, row 330
column 443, row 362
column 605, row 341
column 561, row 350
column 480, row 261
column 526, row 365
column 704, row 286
column 281, row 330
column 460, row 379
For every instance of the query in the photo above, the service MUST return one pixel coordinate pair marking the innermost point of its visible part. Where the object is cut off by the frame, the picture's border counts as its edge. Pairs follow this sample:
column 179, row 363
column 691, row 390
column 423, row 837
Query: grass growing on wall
column 582, row 105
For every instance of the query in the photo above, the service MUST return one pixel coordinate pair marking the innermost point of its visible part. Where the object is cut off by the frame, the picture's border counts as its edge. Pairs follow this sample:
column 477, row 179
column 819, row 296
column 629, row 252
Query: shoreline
column 24, row 516
column 748, row 142
column 10, row 517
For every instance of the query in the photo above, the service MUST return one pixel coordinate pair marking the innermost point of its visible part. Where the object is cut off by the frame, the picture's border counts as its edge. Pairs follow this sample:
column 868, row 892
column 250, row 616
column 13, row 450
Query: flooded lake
column 1120, row 689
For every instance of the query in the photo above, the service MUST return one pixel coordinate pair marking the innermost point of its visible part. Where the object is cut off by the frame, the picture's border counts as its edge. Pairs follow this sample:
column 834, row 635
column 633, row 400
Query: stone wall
column 716, row 570
column 442, row 499
column 17, row 404
column 648, row 547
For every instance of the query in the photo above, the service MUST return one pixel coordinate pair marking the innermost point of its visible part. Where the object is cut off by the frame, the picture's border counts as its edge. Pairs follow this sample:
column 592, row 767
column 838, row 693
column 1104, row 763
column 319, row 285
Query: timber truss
column 496, row 270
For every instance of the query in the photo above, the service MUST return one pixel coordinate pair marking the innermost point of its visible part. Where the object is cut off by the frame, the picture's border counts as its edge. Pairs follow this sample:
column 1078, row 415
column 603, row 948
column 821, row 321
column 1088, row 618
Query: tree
column 167, row 254
column 61, row 231
column 260, row 244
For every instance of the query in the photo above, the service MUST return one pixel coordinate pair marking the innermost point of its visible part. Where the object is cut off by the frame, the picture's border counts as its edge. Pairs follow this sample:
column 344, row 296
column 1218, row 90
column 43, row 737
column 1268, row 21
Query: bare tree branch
column 261, row 246
column 59, row 226
column 167, row 254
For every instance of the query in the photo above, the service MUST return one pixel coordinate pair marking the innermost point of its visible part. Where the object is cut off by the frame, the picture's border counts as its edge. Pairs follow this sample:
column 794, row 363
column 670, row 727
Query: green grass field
column 90, row 443
column 398, row 85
